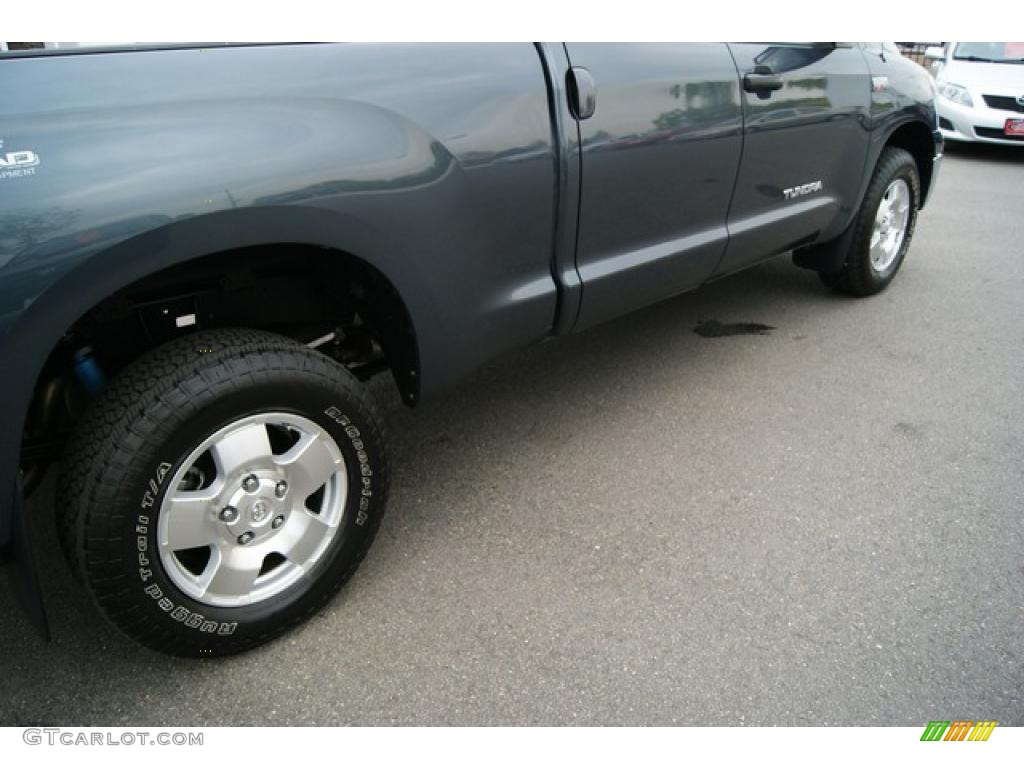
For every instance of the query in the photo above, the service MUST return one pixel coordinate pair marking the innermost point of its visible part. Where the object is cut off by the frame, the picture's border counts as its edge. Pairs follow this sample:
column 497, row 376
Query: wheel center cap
column 260, row 510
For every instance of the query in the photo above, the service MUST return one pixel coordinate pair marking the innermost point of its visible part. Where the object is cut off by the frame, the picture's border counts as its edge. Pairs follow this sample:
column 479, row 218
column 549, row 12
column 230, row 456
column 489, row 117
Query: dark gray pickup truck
column 204, row 252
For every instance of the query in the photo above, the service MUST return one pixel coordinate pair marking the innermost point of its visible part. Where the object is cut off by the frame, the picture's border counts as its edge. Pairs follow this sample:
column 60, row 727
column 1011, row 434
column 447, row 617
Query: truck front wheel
column 222, row 490
column 883, row 229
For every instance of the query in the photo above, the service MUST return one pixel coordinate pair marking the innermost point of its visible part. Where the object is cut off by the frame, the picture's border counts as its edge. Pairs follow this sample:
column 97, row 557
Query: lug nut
column 246, row 537
column 250, row 483
column 281, row 489
column 228, row 514
column 278, row 521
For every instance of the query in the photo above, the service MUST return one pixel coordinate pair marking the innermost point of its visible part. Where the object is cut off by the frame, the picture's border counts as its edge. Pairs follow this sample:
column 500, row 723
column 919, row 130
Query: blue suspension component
column 88, row 371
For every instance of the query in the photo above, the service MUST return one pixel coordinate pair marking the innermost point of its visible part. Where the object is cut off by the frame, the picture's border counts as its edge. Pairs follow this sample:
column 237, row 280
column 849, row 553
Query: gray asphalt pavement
column 820, row 524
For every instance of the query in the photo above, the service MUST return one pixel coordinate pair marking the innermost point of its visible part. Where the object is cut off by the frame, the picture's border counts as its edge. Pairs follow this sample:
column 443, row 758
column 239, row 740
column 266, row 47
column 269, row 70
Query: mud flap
column 23, row 568
column 828, row 257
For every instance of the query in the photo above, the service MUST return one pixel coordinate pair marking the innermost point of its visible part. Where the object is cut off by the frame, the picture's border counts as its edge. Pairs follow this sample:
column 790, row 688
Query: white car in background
column 980, row 91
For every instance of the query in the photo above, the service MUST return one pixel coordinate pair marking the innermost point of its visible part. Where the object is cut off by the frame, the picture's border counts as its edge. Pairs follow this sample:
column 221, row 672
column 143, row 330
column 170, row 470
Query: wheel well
column 917, row 139
column 334, row 300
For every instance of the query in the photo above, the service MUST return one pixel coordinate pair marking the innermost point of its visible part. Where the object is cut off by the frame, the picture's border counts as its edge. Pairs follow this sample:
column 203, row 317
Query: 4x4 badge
column 19, row 163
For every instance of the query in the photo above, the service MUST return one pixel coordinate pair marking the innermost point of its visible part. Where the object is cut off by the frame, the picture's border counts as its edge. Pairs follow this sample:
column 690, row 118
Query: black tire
column 858, row 276
column 132, row 441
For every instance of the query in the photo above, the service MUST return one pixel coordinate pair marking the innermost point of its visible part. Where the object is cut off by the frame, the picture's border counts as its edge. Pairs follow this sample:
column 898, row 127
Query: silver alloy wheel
column 232, row 541
column 890, row 228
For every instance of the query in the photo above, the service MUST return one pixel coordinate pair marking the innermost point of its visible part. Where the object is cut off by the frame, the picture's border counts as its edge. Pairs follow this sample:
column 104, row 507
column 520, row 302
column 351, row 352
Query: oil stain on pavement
column 711, row 329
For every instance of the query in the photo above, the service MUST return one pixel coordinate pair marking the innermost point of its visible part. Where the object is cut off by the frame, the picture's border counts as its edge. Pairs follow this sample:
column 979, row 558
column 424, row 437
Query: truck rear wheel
column 222, row 490
column 884, row 227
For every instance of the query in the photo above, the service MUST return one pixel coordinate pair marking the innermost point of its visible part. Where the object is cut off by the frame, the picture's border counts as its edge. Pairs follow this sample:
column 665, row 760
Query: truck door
column 805, row 143
column 660, row 153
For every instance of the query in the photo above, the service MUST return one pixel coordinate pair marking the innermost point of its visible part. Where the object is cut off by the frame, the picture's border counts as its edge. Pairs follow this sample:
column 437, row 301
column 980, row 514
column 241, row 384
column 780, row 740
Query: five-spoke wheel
column 890, row 225
column 252, row 508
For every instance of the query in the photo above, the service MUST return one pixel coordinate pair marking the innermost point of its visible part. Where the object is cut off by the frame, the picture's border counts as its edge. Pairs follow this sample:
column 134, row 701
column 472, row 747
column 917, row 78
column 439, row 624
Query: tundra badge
column 803, row 189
